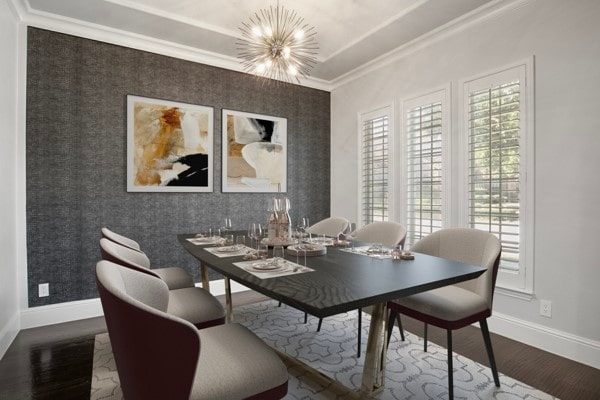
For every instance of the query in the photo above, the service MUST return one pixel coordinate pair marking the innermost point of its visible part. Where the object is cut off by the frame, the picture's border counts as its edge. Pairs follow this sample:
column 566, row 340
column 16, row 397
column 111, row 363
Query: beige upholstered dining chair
column 161, row 356
column 456, row 306
column 387, row 233
column 186, row 301
column 120, row 239
column 331, row 227
column 174, row 277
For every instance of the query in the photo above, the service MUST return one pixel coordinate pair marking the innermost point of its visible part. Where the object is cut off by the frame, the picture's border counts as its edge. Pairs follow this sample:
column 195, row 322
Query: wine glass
column 263, row 251
column 303, row 223
column 226, row 225
column 240, row 240
column 254, row 231
column 277, row 254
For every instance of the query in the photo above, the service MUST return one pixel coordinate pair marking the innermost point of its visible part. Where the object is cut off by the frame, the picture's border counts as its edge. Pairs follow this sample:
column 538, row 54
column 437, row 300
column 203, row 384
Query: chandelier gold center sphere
column 276, row 43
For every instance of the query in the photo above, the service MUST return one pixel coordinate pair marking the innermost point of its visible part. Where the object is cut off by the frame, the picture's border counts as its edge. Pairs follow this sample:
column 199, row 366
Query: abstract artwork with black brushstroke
column 169, row 146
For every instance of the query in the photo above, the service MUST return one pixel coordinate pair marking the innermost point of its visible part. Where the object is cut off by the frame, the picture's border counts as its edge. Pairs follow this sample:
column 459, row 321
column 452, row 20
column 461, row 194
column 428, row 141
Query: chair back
column 146, row 341
column 125, row 256
column 470, row 246
column 387, row 233
column 120, row 239
column 331, row 226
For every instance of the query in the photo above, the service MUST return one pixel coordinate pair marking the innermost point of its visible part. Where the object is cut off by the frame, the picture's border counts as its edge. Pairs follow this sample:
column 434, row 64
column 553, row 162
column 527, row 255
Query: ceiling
column 350, row 33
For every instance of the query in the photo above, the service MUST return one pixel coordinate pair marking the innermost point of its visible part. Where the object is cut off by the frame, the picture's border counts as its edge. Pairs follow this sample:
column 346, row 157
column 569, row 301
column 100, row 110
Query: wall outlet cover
column 43, row 289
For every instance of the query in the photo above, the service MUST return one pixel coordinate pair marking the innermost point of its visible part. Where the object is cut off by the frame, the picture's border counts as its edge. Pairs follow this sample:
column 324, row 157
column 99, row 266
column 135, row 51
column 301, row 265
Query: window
column 375, row 168
column 425, row 138
column 497, row 187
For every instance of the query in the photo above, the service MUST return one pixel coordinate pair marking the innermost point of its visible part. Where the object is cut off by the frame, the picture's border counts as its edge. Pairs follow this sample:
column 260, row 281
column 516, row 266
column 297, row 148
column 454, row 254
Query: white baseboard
column 74, row 310
column 577, row 348
column 9, row 333
column 58, row 313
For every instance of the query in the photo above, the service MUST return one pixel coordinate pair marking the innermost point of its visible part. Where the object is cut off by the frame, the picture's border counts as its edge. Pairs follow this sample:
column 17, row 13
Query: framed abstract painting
column 169, row 146
column 254, row 152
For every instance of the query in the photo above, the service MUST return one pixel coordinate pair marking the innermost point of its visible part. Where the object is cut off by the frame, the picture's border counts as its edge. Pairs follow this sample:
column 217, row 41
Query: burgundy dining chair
column 161, row 356
column 186, row 301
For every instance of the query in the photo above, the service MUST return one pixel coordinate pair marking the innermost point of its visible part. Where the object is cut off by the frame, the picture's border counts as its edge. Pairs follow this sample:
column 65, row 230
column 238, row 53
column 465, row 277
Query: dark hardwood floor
column 55, row 362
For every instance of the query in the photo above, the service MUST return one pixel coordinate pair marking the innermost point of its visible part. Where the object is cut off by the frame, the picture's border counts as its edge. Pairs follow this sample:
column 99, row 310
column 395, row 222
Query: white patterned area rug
column 410, row 372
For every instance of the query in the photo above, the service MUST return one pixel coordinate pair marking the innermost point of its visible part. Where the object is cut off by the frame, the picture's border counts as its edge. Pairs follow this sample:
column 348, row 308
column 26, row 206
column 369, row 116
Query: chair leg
column 359, row 331
column 279, row 305
column 400, row 328
column 394, row 315
column 425, row 338
column 390, row 326
column 450, row 367
column 488, row 346
column 306, row 319
column 319, row 326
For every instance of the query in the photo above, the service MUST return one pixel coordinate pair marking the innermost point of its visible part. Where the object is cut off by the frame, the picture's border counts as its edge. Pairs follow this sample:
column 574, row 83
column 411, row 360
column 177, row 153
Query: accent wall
column 76, row 153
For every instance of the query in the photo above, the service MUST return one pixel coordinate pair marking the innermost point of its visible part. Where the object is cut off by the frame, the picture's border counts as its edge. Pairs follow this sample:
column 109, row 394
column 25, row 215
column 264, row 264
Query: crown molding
column 483, row 13
column 87, row 30
column 172, row 16
column 18, row 8
column 102, row 33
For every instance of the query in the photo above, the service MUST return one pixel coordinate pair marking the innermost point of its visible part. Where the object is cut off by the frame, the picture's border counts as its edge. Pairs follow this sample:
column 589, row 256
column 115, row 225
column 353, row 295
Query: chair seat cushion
column 449, row 303
column 235, row 364
column 195, row 305
column 174, row 277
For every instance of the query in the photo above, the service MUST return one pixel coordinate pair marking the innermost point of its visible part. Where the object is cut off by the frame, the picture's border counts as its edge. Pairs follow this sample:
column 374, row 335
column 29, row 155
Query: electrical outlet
column 546, row 308
column 43, row 289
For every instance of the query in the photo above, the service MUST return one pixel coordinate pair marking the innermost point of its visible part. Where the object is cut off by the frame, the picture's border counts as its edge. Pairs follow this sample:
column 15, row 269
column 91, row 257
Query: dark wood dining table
column 343, row 281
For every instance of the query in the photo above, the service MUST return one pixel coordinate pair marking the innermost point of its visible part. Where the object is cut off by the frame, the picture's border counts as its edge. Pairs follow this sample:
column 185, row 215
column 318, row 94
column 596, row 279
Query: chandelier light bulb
column 261, row 68
column 277, row 44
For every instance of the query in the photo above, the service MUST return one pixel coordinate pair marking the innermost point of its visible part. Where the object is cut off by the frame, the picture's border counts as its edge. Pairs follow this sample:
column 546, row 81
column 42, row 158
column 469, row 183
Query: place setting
column 204, row 240
column 208, row 237
column 307, row 249
column 377, row 250
column 263, row 267
column 320, row 240
column 230, row 249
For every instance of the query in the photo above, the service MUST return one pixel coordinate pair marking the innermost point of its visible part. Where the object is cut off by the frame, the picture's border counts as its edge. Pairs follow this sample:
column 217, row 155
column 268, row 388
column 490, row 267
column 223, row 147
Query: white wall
column 9, row 305
column 563, row 36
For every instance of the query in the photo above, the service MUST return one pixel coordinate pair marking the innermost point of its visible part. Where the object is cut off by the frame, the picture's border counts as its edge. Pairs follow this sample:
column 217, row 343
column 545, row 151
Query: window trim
column 443, row 94
column 521, row 280
column 385, row 110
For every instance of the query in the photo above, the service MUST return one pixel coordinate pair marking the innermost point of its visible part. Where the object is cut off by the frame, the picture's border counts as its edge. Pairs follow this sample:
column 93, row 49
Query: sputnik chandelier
column 277, row 44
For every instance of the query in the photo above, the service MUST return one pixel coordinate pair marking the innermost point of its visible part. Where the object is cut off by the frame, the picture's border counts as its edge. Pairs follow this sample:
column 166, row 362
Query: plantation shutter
column 375, row 169
column 424, row 190
column 494, row 165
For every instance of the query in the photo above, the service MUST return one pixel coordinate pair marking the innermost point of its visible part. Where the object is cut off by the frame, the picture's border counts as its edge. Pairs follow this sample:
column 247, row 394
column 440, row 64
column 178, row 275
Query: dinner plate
column 229, row 249
column 266, row 266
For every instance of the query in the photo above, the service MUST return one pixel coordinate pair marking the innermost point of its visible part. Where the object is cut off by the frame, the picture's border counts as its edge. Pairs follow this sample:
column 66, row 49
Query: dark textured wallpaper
column 76, row 156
